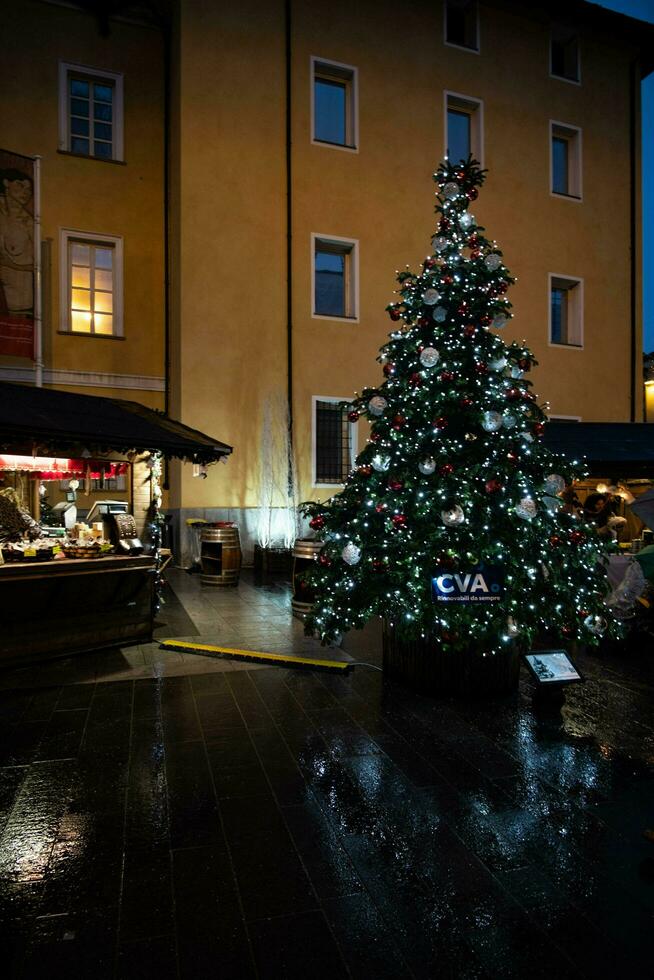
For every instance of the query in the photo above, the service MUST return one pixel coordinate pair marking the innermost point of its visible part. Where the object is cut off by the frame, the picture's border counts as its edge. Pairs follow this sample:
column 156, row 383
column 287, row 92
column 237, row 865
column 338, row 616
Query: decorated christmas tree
column 451, row 525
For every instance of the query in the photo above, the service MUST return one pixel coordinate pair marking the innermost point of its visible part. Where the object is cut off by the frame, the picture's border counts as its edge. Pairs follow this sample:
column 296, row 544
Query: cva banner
column 17, row 265
column 481, row 583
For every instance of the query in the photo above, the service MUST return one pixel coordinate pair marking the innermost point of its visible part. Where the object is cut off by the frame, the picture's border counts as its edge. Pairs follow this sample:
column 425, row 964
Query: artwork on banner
column 481, row 583
column 16, row 255
column 552, row 667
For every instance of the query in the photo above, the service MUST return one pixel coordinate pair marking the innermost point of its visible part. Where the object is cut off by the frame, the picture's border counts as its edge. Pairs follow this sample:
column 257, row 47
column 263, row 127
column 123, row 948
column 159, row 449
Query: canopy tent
column 620, row 449
column 61, row 423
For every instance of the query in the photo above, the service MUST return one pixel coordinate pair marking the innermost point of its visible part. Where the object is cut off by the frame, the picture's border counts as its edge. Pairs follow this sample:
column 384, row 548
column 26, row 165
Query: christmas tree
column 451, row 525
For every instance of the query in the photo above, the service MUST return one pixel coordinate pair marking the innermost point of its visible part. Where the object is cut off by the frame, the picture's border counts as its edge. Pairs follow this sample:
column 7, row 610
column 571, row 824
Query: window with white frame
column 334, row 277
column 564, row 53
column 464, row 127
column 334, row 442
column 565, row 154
column 91, row 284
column 462, row 24
column 90, row 112
column 566, row 298
column 334, row 104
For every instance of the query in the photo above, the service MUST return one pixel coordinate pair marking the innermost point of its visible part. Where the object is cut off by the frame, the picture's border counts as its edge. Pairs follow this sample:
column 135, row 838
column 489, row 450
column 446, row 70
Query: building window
column 334, row 104
column 566, row 311
column 462, row 24
column 564, row 54
column 334, row 277
column 333, row 442
column 90, row 112
column 91, row 284
column 464, row 127
column 565, row 149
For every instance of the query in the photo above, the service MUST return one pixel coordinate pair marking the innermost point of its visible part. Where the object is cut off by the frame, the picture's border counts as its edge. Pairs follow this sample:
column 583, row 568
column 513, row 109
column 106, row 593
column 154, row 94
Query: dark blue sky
column 644, row 9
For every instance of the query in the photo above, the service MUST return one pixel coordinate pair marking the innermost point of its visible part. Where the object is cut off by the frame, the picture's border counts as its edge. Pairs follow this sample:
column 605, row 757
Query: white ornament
column 453, row 516
column 512, row 627
column 526, row 508
column 554, row 484
column 498, row 364
column 596, row 624
column 351, row 554
column 451, row 190
column 429, row 357
column 439, row 243
column 500, row 321
column 509, row 421
column 431, row 297
column 516, row 372
column 491, row 421
column 527, row 436
column 492, row 261
column 377, row 405
column 439, row 314
column 427, row 466
column 381, row 463
column 466, row 220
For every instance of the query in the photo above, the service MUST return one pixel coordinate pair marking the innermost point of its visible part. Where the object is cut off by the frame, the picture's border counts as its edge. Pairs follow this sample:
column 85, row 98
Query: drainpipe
column 289, row 228
column 166, row 218
column 636, row 368
column 38, row 306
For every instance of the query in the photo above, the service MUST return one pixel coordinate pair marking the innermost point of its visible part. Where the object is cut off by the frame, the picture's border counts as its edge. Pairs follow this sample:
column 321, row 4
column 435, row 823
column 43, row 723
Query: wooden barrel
column 305, row 552
column 220, row 555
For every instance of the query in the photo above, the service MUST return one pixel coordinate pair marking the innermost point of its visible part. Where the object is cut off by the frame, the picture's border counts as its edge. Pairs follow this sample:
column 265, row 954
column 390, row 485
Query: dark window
column 334, row 270
column 560, row 165
column 330, row 111
column 458, row 135
column 461, row 23
column 559, row 303
column 90, row 112
column 333, row 443
column 564, row 54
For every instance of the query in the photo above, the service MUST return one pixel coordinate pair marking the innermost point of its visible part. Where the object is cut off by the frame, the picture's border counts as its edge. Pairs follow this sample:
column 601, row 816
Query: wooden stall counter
column 60, row 607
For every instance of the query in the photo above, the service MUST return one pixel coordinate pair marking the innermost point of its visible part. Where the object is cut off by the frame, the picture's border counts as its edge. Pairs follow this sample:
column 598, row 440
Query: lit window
column 333, row 442
column 463, row 128
column 462, row 24
column 566, row 160
column 334, row 277
column 334, row 104
column 90, row 112
column 564, row 54
column 566, row 311
column 91, row 284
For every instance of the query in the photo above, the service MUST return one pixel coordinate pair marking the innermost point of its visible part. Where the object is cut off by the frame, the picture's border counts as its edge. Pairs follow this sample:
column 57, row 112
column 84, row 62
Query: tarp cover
column 65, row 423
column 621, row 449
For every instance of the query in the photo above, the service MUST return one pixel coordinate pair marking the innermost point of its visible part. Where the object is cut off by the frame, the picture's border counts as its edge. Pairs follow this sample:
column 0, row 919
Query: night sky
column 644, row 9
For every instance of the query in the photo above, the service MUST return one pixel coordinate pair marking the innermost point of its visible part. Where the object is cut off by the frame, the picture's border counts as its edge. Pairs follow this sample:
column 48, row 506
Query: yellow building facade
column 252, row 194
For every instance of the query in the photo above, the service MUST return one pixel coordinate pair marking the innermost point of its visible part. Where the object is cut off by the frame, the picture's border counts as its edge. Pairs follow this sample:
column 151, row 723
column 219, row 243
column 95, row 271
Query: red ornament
column 374, row 436
column 447, row 280
column 524, row 364
column 398, row 520
column 446, row 376
column 475, row 253
column 492, row 486
column 577, row 537
column 446, row 469
column 398, row 422
column 460, row 174
column 440, row 422
column 528, row 396
column 395, row 484
column 429, row 263
column 485, row 320
column 380, row 508
column 394, row 314
column 444, row 224
column 555, row 540
column 465, row 402
column 512, row 394
column 539, row 429
column 365, row 470
column 567, row 630
column 389, row 369
column 352, row 416
column 472, row 241
column 378, row 565
column 463, row 308
column 415, row 380
column 424, row 321
column 512, row 457
column 324, row 561
column 469, row 330
column 472, row 194
column 502, row 286
column 481, row 367
column 317, row 522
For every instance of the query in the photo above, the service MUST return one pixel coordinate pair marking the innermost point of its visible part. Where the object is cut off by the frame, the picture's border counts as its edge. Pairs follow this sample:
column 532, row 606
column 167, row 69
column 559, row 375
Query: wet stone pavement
column 166, row 815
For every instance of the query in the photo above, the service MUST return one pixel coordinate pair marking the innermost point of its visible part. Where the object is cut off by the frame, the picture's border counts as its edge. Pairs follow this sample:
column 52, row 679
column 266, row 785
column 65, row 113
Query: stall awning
column 63, row 423
column 620, row 449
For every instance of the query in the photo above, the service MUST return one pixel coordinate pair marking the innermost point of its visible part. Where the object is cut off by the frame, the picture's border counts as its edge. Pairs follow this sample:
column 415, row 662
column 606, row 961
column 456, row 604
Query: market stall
column 80, row 522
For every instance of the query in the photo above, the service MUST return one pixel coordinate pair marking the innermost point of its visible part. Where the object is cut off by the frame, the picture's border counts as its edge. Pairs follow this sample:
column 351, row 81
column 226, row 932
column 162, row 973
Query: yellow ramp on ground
column 254, row 656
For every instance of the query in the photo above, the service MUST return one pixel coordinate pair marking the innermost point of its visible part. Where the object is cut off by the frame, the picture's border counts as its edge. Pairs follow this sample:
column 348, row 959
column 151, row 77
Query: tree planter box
column 427, row 668
column 273, row 561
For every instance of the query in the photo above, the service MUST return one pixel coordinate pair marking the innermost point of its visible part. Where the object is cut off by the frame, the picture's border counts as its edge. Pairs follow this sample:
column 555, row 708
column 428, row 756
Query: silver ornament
column 453, row 517
column 451, row 190
column 516, row 372
column 381, row 463
column 377, row 405
column 527, row 436
column 427, row 466
column 439, row 242
column 552, row 503
column 492, row 261
column 439, row 314
column 466, row 220
column 498, row 364
column 351, row 554
column 595, row 624
column 526, row 508
column 491, row 421
column 431, row 297
column 509, row 421
column 429, row 357
column 500, row 321
column 554, row 484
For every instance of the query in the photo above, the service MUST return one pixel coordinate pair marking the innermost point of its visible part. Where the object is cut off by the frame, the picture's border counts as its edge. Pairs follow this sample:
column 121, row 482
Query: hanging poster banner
column 17, row 254
column 481, row 583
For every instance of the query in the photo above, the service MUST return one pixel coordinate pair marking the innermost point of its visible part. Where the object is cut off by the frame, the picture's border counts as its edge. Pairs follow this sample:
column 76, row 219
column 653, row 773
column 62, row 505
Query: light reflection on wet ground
column 263, row 822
